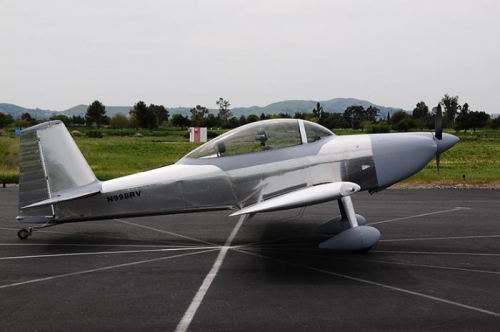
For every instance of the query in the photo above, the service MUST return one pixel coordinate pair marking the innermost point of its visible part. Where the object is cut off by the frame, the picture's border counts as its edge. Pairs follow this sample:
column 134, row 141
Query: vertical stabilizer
column 50, row 166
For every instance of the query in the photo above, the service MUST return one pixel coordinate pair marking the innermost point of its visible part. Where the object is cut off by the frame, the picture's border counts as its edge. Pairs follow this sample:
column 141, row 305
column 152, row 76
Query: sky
column 56, row 54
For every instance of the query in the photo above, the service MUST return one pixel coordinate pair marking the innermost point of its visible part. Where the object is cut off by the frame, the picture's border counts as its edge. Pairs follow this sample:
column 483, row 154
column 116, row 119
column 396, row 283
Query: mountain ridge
column 336, row 105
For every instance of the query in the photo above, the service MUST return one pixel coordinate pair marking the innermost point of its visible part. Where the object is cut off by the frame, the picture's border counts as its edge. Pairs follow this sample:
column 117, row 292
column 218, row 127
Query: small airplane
column 263, row 166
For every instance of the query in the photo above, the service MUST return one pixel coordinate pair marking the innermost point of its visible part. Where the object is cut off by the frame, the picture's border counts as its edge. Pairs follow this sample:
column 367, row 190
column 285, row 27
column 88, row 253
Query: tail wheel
column 23, row 234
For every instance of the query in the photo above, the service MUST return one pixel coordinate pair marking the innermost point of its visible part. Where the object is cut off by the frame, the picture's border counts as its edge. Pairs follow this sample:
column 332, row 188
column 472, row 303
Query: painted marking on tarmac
column 102, row 269
column 166, row 232
column 45, row 231
column 402, row 290
column 443, row 238
column 85, row 245
column 430, row 266
column 433, row 253
column 419, row 215
column 286, row 251
column 106, row 253
column 198, row 298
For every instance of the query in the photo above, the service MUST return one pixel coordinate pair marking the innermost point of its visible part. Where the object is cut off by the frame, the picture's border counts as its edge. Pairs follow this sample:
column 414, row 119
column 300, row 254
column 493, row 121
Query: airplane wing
column 303, row 197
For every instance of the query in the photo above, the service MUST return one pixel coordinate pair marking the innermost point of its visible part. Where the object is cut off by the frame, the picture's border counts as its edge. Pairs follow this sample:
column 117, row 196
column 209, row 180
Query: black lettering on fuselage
column 121, row 197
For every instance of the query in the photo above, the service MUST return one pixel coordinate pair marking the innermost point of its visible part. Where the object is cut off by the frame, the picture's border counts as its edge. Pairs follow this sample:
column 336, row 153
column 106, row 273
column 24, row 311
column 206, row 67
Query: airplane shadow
column 290, row 254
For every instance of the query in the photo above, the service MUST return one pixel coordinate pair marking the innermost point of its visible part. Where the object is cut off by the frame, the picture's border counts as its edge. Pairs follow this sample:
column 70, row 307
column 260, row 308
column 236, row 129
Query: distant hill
column 17, row 111
column 82, row 109
column 337, row 105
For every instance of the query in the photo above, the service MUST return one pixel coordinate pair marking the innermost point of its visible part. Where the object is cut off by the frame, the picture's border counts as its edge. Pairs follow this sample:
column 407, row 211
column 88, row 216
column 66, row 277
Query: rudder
column 51, row 166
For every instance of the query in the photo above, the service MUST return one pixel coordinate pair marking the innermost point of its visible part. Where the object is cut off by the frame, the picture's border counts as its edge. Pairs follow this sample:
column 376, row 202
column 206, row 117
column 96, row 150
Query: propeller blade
column 438, row 125
column 438, row 158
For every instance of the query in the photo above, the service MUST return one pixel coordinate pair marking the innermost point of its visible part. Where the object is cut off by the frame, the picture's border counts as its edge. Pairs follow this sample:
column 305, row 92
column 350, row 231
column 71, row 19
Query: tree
column 212, row 121
column 224, row 111
column 242, row 120
column 5, row 120
column 252, row 118
column 471, row 119
column 233, row 123
column 402, row 121
column 421, row 114
column 299, row 115
column 371, row 114
column 334, row 120
column 197, row 115
column 27, row 120
column 463, row 118
column 179, row 120
column 118, row 121
column 354, row 115
column 96, row 113
column 142, row 114
column 77, row 120
column 495, row 123
column 451, row 109
column 159, row 114
column 318, row 111
column 26, row 117
column 61, row 117
column 283, row 115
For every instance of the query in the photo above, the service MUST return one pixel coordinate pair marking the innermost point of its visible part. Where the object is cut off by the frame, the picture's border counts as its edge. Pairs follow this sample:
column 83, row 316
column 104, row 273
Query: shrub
column 378, row 128
column 75, row 133
column 94, row 134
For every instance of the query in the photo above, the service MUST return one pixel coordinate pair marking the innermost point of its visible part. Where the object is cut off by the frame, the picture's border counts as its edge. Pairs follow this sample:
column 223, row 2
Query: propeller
column 438, row 125
column 438, row 132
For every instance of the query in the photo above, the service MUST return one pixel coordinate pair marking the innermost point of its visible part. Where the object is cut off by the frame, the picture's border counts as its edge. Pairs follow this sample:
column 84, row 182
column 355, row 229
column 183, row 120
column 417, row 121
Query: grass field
column 112, row 156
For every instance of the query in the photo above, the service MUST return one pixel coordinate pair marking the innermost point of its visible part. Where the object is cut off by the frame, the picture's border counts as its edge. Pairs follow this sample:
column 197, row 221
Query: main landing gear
column 349, row 230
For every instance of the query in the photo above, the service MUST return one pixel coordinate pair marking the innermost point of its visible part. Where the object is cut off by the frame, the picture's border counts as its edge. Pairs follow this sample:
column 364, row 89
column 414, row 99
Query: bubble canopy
column 260, row 136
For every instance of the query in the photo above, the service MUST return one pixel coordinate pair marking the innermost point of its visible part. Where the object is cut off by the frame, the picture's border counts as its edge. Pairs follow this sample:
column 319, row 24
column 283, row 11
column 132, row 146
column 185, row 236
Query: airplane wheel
column 23, row 234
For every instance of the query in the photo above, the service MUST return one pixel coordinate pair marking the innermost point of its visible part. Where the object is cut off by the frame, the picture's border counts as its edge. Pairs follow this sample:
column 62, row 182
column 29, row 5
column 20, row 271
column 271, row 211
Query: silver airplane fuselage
column 263, row 166
column 374, row 162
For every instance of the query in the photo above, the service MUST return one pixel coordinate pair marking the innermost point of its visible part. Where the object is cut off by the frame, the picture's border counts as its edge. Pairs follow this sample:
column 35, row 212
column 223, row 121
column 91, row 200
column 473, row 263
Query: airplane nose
column 446, row 143
column 399, row 156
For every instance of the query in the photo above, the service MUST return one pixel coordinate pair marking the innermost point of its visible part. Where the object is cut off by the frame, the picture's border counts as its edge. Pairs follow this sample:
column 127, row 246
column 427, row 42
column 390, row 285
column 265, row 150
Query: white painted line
column 471, row 237
column 198, row 298
column 496, row 314
column 47, row 231
column 433, row 253
column 106, row 253
column 431, row 266
column 101, row 269
column 166, row 232
column 418, row 215
column 87, row 245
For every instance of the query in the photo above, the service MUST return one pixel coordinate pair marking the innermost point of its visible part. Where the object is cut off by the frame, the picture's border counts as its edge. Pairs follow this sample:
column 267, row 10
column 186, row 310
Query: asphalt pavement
column 436, row 268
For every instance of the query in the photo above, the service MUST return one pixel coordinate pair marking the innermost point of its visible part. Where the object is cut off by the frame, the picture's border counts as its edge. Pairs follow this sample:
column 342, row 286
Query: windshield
column 261, row 136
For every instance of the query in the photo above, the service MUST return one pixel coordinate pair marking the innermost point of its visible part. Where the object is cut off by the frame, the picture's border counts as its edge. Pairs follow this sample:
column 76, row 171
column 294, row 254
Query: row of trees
column 456, row 116
column 459, row 117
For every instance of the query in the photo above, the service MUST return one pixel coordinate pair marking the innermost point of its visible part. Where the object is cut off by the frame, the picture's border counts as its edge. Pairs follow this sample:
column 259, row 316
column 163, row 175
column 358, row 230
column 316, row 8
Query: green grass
column 9, row 158
column 114, row 156
column 476, row 158
column 111, row 157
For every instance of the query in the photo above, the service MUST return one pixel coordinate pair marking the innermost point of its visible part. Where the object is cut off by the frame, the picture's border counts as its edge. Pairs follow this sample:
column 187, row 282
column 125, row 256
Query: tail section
column 52, row 169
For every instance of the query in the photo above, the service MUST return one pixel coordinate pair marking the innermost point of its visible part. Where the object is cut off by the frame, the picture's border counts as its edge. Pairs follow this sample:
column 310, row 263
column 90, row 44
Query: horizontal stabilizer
column 303, row 197
column 68, row 195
